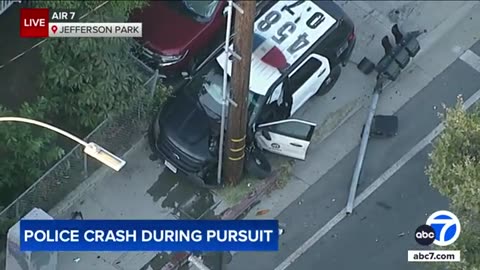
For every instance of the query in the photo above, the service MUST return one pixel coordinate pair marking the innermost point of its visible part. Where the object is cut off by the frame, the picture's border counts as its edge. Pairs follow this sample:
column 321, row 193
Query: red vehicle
column 177, row 35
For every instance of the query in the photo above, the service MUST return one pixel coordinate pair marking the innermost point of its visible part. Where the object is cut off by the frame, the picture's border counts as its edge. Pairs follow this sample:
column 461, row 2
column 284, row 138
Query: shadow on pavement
column 186, row 200
column 189, row 202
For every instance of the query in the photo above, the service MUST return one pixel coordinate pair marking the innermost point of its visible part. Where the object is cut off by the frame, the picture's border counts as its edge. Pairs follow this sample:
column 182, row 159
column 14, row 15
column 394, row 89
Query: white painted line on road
column 372, row 188
column 472, row 59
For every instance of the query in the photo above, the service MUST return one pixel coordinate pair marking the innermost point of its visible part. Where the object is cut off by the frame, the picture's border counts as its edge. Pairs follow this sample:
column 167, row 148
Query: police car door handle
column 296, row 144
column 321, row 73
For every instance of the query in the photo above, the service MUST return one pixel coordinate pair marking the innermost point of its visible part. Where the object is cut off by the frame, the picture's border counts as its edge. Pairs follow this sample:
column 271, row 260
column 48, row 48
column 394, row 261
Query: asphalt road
column 381, row 231
column 370, row 238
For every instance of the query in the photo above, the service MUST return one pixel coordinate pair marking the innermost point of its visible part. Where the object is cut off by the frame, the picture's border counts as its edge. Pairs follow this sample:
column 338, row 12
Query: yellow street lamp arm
column 47, row 126
column 92, row 149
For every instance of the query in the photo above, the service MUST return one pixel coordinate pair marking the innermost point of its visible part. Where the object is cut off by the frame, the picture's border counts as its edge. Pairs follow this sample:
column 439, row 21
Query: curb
column 445, row 27
column 361, row 102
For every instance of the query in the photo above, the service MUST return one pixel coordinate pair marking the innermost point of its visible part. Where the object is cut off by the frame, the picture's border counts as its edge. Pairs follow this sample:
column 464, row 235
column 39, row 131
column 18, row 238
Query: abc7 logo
column 425, row 235
column 442, row 229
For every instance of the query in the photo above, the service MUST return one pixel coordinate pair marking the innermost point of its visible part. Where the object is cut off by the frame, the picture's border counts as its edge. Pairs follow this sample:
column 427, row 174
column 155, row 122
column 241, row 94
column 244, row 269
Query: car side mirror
column 266, row 134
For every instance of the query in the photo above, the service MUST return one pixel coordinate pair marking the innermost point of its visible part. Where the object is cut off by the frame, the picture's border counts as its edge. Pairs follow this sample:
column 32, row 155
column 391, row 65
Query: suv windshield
column 210, row 95
column 204, row 9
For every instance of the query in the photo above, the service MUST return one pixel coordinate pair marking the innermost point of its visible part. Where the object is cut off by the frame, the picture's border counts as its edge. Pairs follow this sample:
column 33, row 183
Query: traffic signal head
column 388, row 67
column 397, row 57
column 397, row 34
column 387, row 46
column 411, row 45
column 402, row 56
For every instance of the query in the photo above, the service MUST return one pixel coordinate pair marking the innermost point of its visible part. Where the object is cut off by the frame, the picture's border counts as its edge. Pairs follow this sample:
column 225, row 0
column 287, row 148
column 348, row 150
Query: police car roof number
column 294, row 26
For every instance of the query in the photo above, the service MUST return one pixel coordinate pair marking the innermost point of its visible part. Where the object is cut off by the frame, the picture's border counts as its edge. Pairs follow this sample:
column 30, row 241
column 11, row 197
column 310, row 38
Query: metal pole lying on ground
column 389, row 67
column 363, row 145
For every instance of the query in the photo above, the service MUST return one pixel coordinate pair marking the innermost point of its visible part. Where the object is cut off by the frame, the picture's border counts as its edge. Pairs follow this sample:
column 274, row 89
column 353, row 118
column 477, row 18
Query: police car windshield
column 211, row 92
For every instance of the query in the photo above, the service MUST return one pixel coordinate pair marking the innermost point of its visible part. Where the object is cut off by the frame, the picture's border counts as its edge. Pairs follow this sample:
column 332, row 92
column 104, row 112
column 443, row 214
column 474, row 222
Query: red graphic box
column 34, row 22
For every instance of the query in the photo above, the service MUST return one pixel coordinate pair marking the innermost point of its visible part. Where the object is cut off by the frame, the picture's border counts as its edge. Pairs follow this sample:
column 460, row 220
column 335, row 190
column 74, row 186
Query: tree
column 90, row 78
column 455, row 166
column 28, row 150
column 455, row 172
column 84, row 80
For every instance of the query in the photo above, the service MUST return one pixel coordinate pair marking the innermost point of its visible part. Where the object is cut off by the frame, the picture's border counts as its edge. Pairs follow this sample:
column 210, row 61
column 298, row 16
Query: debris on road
column 401, row 234
column 78, row 215
column 262, row 212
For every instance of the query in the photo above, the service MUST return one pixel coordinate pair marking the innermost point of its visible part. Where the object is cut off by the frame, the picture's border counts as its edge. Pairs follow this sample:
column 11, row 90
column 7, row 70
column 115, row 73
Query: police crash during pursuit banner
column 149, row 235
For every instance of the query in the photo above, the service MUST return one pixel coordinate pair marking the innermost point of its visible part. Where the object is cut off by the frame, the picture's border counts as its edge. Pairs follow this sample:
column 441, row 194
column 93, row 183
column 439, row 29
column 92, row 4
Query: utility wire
column 43, row 40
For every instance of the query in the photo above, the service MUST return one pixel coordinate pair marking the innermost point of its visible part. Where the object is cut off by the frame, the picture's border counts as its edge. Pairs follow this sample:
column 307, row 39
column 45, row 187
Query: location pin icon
column 54, row 29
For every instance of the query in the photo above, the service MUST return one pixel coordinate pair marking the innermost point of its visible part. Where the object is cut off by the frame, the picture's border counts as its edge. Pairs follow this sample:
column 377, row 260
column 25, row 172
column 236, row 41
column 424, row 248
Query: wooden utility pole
column 240, row 83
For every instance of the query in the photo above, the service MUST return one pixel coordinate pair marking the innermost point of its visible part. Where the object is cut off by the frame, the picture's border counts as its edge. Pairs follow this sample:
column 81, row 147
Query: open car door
column 289, row 137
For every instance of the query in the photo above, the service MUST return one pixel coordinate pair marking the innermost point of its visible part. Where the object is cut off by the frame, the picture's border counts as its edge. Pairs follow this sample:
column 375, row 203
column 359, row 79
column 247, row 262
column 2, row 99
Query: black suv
column 314, row 37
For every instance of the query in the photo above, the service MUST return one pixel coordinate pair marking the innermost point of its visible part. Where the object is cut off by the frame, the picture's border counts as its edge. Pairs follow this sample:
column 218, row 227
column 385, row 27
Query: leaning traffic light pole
column 240, row 81
column 389, row 67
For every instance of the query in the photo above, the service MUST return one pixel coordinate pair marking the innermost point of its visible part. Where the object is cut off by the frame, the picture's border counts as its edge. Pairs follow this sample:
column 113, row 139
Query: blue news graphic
column 149, row 235
column 446, row 226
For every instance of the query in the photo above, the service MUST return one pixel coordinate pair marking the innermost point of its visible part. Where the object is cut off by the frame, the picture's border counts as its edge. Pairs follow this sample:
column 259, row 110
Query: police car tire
column 334, row 75
column 257, row 165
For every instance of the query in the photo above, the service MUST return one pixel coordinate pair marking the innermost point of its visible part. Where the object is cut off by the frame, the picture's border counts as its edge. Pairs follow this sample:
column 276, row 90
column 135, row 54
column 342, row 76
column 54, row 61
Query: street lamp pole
column 92, row 149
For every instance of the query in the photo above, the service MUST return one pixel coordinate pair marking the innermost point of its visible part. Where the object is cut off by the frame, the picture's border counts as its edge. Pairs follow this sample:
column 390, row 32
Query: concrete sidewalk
column 143, row 190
